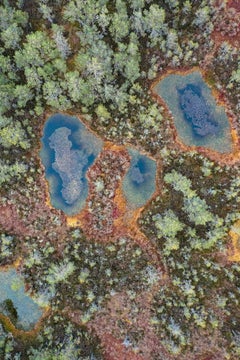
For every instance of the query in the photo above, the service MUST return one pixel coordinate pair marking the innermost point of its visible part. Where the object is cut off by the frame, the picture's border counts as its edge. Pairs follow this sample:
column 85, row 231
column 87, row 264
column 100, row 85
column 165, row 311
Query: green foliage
column 224, row 70
column 53, row 94
column 13, row 135
column 102, row 112
column 61, row 41
column 59, row 273
column 58, row 339
column 10, row 171
column 112, row 59
column 38, row 51
column 236, row 75
column 79, row 89
column 195, row 207
column 153, row 23
column 168, row 225
column 41, row 59
column 179, row 183
column 7, row 248
column 99, row 53
column 23, row 94
column 120, row 24
column 12, row 24
column 6, row 344
column 7, row 307
column 7, row 96
column 202, row 16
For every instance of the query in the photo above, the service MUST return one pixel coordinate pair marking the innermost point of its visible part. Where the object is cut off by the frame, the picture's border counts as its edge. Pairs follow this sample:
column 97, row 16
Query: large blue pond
column 12, row 288
column 68, row 150
column 198, row 119
column 139, row 183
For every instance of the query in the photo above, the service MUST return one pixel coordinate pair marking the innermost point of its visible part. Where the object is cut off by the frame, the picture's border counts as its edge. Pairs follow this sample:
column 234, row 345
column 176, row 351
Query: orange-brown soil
column 234, row 253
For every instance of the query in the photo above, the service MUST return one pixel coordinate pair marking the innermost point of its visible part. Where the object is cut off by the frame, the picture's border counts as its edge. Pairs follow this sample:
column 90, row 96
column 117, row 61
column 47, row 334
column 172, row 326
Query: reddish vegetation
column 42, row 214
column 127, row 318
column 97, row 219
column 126, row 332
column 11, row 222
column 227, row 24
column 115, row 350
column 235, row 4
column 31, row 215
column 206, row 347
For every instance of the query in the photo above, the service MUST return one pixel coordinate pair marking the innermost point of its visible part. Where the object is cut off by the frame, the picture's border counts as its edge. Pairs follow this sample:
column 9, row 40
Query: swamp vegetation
column 105, row 297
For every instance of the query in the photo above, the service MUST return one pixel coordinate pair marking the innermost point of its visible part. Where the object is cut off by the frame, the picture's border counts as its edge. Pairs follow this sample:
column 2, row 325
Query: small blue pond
column 68, row 150
column 139, row 183
column 12, row 288
column 198, row 119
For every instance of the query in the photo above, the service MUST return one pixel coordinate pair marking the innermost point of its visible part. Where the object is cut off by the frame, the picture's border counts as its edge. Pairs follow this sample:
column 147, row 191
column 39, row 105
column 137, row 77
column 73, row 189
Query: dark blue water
column 196, row 111
column 68, row 150
column 198, row 119
column 139, row 183
column 12, row 288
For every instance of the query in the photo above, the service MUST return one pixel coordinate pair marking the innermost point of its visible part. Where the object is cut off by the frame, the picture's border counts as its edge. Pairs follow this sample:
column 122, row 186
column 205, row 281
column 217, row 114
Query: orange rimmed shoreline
column 221, row 158
column 22, row 334
column 234, row 254
column 7, row 323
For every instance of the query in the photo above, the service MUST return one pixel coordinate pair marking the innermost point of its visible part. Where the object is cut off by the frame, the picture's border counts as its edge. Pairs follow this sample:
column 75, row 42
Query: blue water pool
column 198, row 119
column 68, row 150
column 13, row 290
column 139, row 183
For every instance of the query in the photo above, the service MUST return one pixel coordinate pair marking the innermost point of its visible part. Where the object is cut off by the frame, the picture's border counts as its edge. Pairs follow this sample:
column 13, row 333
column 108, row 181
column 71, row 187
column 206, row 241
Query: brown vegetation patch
column 97, row 218
column 235, row 4
column 11, row 222
column 128, row 320
column 227, row 24
column 219, row 36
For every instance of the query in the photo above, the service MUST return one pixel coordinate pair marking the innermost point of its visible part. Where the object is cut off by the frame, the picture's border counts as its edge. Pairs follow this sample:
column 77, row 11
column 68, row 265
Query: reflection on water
column 68, row 150
column 16, row 303
column 198, row 119
column 139, row 183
